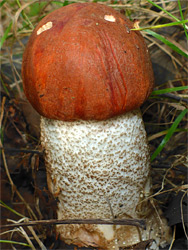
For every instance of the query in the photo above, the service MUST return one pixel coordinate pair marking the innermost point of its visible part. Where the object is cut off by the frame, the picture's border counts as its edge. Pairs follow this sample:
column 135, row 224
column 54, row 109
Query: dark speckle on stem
column 41, row 95
column 127, row 28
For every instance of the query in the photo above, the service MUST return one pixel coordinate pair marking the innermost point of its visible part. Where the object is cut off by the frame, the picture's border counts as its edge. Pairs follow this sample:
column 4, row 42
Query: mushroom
column 87, row 73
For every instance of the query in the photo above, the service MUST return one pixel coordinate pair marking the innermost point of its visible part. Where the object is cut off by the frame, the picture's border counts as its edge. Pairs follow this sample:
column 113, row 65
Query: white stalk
column 96, row 167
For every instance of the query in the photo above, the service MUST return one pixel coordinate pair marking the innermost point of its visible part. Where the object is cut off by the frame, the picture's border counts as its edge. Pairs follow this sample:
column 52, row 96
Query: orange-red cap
column 83, row 61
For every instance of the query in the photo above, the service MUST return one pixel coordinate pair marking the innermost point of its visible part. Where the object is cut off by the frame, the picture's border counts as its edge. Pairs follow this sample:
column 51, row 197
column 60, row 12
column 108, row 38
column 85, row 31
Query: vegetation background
column 24, row 193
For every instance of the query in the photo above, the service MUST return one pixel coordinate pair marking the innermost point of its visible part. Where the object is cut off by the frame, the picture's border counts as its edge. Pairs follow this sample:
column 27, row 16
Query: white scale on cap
column 109, row 18
column 44, row 27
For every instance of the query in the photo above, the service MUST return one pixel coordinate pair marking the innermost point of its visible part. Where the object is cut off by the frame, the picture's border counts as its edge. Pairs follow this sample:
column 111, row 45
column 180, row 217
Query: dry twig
column 131, row 222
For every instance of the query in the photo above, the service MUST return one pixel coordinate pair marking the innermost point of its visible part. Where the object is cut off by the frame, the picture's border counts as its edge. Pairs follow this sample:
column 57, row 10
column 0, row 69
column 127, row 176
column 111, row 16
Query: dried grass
column 168, row 169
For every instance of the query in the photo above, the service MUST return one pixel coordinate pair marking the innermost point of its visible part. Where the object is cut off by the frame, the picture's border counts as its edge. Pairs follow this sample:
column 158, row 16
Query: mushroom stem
column 101, row 169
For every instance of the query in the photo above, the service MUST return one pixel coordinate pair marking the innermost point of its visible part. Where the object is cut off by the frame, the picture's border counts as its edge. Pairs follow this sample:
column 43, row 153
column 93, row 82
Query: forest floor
column 24, row 191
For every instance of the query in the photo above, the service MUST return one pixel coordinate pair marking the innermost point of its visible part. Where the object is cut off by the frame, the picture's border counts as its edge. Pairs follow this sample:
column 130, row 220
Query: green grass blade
column 35, row 8
column 14, row 242
column 162, row 25
column 10, row 209
column 167, row 42
column 168, row 90
column 4, row 37
column 4, row 86
column 168, row 13
column 25, row 17
column 169, row 134
column 159, row 7
column 2, row 2
column 182, row 17
column 66, row 2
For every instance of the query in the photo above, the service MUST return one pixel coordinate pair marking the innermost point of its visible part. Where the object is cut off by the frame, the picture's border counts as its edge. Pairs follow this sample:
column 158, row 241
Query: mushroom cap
column 83, row 61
